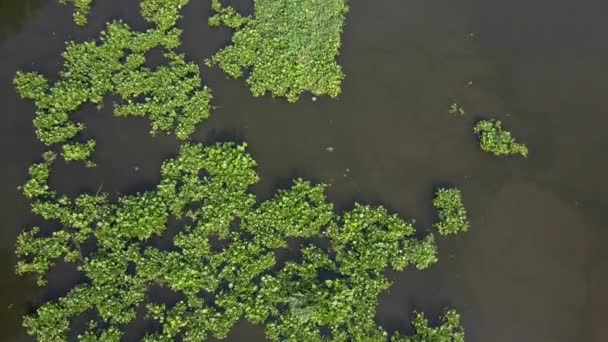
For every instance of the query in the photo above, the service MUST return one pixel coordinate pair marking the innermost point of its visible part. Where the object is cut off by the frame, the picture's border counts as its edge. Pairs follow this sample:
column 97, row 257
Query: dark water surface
column 534, row 266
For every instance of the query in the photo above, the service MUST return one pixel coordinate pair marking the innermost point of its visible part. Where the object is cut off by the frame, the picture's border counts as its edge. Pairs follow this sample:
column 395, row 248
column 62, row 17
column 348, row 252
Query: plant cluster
column 456, row 109
column 171, row 96
column 451, row 211
column 497, row 141
column 449, row 330
column 81, row 9
column 79, row 151
column 289, row 46
column 223, row 261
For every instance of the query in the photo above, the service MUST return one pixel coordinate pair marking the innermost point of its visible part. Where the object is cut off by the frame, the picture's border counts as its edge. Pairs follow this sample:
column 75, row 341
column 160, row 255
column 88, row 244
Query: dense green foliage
column 171, row 96
column 79, row 151
column 223, row 261
column 289, row 46
column 497, row 141
column 81, row 9
column 452, row 214
column 450, row 330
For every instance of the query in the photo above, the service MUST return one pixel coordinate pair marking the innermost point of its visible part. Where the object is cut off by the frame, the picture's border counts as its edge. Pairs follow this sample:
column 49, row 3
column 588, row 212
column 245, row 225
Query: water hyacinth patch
column 451, row 210
column 449, row 330
column 79, row 151
column 206, row 190
column 289, row 46
column 81, row 9
column 163, row 13
column 497, row 141
column 222, row 262
column 171, row 95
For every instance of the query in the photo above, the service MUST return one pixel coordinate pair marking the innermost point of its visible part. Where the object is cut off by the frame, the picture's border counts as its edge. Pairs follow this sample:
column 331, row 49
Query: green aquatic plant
column 289, row 46
column 497, row 141
column 163, row 13
column 450, row 330
column 223, row 261
column 79, row 151
column 451, row 210
column 39, row 173
column 171, row 95
column 206, row 190
column 81, row 9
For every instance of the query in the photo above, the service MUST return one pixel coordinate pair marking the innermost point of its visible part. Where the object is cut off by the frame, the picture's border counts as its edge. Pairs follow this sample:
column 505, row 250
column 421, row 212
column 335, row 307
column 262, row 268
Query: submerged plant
column 497, row 141
column 171, row 95
column 289, row 46
column 451, row 210
column 456, row 109
column 206, row 190
column 81, row 9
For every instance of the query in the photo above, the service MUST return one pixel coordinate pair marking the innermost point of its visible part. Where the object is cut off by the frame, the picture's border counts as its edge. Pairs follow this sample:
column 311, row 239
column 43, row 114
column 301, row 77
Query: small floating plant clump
column 79, row 151
column 81, row 9
column 456, row 109
column 449, row 330
column 205, row 189
column 289, row 46
column 497, row 141
column 171, row 95
column 451, row 211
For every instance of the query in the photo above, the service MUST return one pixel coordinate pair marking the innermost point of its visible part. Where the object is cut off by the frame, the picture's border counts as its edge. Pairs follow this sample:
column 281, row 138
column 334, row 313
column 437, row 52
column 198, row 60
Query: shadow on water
column 532, row 267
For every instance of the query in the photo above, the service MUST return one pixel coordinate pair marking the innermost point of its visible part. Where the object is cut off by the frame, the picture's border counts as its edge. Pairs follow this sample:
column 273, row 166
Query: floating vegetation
column 289, row 46
column 171, row 96
column 79, row 151
column 206, row 189
column 451, row 211
column 456, row 109
column 81, row 9
column 449, row 331
column 222, row 262
column 497, row 141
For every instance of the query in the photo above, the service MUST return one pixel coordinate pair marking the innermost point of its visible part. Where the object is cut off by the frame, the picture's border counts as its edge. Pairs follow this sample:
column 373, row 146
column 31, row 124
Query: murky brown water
column 535, row 265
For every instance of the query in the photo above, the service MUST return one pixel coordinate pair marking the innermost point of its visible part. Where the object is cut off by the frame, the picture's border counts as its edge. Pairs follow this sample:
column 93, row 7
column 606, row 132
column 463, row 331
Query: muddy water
column 534, row 267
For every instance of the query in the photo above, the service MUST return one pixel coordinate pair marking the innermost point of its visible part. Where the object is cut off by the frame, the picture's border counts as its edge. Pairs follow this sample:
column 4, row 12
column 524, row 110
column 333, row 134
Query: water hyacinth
column 289, row 46
column 449, row 330
column 81, row 9
column 451, row 211
column 206, row 190
column 163, row 13
column 171, row 95
column 79, row 151
column 222, row 261
column 494, row 139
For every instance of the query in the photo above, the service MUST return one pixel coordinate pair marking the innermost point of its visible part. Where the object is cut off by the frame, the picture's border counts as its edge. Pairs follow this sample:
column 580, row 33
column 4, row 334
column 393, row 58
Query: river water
column 534, row 266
